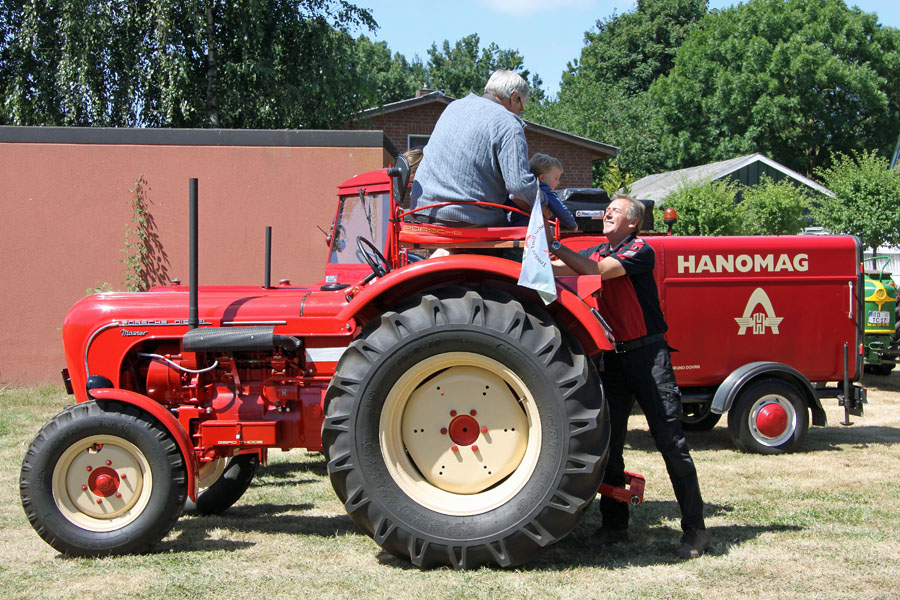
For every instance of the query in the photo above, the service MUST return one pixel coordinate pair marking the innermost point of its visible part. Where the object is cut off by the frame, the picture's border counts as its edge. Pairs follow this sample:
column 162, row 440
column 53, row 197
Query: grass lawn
column 820, row 523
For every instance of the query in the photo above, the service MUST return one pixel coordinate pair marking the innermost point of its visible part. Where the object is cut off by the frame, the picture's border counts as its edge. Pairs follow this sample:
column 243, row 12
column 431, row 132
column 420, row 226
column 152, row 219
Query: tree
column 773, row 208
column 866, row 200
column 797, row 80
column 631, row 50
column 706, row 208
column 464, row 67
column 170, row 63
column 390, row 78
column 603, row 94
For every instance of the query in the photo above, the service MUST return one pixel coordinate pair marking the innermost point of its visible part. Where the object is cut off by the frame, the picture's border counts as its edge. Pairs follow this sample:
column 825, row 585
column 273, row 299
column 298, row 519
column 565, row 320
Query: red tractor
column 462, row 420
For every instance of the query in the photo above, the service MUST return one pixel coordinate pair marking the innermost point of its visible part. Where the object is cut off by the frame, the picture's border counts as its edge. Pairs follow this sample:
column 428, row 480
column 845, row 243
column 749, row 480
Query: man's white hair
column 503, row 83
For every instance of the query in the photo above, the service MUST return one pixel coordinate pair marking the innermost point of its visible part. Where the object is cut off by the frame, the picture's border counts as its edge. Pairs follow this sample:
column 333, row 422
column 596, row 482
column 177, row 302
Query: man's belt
column 639, row 342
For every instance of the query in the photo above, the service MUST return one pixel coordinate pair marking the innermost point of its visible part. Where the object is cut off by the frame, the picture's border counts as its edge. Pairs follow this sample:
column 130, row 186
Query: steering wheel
column 373, row 257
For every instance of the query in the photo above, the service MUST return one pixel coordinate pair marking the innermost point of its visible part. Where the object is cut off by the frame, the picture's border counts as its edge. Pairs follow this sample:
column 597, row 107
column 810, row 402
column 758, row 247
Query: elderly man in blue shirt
column 477, row 151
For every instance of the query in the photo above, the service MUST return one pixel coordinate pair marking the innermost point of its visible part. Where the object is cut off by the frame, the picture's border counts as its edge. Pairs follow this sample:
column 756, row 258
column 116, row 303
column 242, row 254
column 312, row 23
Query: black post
column 193, row 319
column 268, row 274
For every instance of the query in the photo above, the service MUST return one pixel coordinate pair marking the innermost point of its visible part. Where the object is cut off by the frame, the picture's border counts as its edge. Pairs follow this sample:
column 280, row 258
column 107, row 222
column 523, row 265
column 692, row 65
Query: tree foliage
column 465, row 67
column 630, row 50
column 866, row 199
column 794, row 79
column 773, row 208
column 603, row 94
column 706, row 208
column 169, row 63
column 390, row 77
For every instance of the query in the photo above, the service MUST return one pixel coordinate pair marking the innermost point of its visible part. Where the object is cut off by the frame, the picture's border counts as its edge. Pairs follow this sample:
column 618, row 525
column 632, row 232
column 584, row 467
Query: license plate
column 879, row 317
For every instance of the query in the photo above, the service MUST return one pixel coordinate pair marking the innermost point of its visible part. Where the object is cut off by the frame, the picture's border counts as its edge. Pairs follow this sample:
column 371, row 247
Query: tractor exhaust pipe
column 193, row 319
column 267, row 281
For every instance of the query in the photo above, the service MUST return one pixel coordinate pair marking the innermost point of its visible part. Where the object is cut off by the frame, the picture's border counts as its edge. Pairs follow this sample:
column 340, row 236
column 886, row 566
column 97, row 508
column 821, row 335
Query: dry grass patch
column 821, row 523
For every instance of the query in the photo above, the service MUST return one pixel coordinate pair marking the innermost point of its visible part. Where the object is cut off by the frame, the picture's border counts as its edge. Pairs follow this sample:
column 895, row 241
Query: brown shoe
column 694, row 543
column 606, row 537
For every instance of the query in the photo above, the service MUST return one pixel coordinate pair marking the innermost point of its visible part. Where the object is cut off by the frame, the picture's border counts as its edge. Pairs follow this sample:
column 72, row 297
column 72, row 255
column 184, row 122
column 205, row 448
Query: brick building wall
column 398, row 125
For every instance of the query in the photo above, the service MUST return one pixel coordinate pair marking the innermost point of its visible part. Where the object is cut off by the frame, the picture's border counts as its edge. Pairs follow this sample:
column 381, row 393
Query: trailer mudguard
column 729, row 389
column 167, row 420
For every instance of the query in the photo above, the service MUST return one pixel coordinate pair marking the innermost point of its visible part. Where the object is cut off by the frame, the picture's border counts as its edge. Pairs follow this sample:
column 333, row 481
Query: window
column 416, row 141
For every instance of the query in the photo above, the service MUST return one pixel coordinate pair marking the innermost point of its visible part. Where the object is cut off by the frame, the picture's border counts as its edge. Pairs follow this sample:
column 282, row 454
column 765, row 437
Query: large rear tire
column 465, row 430
column 102, row 479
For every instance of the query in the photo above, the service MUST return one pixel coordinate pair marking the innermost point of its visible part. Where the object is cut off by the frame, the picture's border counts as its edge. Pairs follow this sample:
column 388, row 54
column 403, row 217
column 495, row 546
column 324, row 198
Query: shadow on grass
column 194, row 533
column 650, row 543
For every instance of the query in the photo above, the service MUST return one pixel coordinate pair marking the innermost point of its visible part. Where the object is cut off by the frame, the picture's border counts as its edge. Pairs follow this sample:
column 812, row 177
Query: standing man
column 477, row 151
column 640, row 367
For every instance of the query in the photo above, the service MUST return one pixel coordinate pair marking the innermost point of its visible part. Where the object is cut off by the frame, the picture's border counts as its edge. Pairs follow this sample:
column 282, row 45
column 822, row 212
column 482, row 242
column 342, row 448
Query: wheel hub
column 103, row 481
column 771, row 420
column 460, row 433
column 464, row 430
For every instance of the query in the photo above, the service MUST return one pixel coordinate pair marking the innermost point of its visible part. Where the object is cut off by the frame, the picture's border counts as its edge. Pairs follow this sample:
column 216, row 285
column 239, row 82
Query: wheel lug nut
column 443, row 431
column 84, row 488
column 454, row 448
column 99, row 500
column 473, row 412
column 118, row 494
column 123, row 475
column 484, row 430
column 474, row 448
column 90, row 468
column 109, row 462
column 452, row 413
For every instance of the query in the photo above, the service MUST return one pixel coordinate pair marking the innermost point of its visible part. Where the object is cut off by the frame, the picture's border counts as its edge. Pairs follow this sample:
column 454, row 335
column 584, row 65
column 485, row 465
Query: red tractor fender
column 167, row 420
column 572, row 308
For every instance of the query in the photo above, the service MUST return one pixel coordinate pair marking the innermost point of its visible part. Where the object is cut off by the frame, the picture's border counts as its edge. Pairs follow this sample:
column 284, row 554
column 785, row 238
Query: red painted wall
column 66, row 206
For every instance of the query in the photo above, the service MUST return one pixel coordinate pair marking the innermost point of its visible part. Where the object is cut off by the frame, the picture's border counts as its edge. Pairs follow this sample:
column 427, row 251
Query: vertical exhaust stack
column 193, row 319
column 267, row 281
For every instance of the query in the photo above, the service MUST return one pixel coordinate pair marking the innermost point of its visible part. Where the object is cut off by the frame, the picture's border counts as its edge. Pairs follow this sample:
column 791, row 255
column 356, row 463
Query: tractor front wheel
column 465, row 430
column 102, row 479
column 769, row 417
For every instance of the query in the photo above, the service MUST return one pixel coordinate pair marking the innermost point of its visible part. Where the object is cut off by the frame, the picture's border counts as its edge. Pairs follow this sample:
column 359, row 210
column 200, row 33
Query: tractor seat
column 417, row 232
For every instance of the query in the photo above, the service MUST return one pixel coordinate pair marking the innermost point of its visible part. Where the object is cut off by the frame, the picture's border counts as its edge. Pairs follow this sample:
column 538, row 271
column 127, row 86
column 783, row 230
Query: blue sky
column 547, row 33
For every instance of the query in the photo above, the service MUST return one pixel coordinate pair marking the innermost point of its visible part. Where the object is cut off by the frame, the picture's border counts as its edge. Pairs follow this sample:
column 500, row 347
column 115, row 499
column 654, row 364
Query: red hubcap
column 103, row 481
column 772, row 420
column 464, row 430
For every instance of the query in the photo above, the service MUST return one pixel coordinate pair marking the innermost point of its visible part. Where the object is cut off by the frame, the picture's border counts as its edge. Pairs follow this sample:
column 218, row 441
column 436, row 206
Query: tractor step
column 631, row 493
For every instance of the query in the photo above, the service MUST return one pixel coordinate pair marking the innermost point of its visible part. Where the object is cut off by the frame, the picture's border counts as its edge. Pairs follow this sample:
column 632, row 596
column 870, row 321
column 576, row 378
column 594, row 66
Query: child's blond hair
column 543, row 163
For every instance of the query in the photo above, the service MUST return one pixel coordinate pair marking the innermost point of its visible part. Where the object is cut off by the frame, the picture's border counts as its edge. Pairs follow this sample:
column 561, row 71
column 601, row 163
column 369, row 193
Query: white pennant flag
column 537, row 272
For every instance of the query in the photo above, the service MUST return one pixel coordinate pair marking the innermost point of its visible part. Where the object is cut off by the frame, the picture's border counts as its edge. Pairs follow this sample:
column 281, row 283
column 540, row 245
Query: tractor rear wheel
column 102, row 479
column 465, row 430
column 222, row 483
column 769, row 417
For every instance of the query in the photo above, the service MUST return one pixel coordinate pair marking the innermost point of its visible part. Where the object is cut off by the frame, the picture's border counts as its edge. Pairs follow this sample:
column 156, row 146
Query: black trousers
column 646, row 374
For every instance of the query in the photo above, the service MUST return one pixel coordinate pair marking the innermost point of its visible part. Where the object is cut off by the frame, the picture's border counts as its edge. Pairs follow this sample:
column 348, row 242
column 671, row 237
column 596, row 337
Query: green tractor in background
column 882, row 342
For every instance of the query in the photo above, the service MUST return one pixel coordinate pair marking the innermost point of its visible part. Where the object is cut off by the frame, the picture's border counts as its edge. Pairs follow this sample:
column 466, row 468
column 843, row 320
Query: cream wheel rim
column 102, row 483
column 460, row 433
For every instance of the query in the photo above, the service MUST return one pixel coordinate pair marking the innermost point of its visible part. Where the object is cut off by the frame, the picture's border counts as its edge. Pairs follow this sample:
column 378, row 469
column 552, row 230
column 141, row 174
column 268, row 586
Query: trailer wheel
column 102, row 479
column 465, row 430
column 769, row 417
column 222, row 483
column 698, row 416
